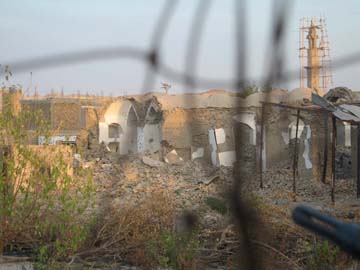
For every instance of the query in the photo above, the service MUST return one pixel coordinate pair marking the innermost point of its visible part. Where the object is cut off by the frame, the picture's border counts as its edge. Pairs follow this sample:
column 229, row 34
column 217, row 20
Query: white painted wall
column 197, row 153
column 118, row 112
column 54, row 139
column 347, row 127
column 227, row 158
column 291, row 132
column 212, row 141
column 152, row 137
column 140, row 139
column 248, row 118
column 308, row 163
column 220, row 135
column 292, row 128
column 264, row 158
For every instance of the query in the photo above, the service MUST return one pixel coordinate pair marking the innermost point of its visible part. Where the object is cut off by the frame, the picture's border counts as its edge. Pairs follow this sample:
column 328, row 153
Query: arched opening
column 115, row 131
column 292, row 129
column 153, row 116
column 290, row 133
column 131, row 133
column 152, row 130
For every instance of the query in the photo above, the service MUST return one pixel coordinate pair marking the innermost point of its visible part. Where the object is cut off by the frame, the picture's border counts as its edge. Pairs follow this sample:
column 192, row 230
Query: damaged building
column 67, row 117
column 127, row 126
column 216, row 126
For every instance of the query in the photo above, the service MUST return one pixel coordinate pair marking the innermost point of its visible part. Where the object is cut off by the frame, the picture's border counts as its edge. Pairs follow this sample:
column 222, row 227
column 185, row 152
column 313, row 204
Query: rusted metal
column 357, row 163
column 295, row 160
column 333, row 154
column 326, row 146
column 339, row 114
column 261, row 145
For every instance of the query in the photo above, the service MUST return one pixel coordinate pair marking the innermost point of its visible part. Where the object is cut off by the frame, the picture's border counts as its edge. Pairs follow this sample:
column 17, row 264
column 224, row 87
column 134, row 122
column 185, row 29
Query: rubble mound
column 299, row 94
column 339, row 95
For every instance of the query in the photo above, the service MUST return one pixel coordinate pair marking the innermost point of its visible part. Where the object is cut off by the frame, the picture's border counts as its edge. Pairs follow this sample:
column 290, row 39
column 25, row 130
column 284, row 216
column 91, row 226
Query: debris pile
column 124, row 180
column 339, row 95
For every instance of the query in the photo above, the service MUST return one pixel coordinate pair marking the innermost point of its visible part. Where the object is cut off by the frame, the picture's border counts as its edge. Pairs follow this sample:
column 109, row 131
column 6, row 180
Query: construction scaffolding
column 314, row 54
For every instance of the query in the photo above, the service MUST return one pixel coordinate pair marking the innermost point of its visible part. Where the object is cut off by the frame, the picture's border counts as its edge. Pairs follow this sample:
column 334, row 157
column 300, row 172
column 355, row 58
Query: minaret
column 313, row 59
column 314, row 54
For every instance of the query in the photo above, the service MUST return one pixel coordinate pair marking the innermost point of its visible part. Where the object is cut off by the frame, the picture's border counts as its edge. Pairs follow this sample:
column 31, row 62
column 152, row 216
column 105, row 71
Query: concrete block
column 220, row 135
column 197, row 153
column 227, row 158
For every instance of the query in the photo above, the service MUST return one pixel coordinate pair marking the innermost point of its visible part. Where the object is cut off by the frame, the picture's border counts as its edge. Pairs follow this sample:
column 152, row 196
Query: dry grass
column 123, row 234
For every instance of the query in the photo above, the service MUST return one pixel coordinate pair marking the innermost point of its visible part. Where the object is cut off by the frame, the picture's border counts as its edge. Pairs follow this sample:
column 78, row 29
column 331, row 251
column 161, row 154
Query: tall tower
column 313, row 58
column 314, row 53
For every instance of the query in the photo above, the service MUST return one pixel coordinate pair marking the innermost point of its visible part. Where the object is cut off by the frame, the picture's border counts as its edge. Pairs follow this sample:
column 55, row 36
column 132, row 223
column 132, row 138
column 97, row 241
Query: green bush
column 41, row 202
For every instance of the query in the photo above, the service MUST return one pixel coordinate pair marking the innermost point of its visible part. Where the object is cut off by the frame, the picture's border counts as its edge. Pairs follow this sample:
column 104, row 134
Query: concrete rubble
column 188, row 146
column 152, row 162
column 130, row 179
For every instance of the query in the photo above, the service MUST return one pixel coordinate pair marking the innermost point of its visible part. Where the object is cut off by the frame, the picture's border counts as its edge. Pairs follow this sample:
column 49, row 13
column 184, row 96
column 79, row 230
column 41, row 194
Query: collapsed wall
column 127, row 126
column 280, row 135
column 205, row 133
column 68, row 118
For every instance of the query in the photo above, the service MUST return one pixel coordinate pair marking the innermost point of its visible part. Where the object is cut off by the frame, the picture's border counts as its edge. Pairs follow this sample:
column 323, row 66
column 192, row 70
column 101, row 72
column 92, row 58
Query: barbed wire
column 164, row 70
column 157, row 66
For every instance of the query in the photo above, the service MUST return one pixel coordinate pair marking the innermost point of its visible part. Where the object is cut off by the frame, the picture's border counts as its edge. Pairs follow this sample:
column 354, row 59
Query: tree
column 166, row 87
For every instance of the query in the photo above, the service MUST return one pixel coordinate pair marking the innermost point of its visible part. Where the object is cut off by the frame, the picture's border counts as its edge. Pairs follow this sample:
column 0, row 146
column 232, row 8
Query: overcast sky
column 32, row 29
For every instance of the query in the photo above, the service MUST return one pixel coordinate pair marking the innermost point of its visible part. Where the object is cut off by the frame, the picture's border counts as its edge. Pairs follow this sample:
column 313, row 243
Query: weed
column 174, row 250
column 322, row 255
column 40, row 200
column 216, row 205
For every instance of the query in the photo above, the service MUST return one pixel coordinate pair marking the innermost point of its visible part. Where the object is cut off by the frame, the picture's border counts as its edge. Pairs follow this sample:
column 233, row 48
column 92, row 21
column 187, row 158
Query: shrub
column 174, row 250
column 41, row 202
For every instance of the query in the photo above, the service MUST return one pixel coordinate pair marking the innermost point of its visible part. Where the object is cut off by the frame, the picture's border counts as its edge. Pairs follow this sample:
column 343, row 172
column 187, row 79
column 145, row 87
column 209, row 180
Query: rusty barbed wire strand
column 193, row 43
column 155, row 43
column 281, row 9
column 156, row 66
column 49, row 61
column 245, row 219
column 240, row 43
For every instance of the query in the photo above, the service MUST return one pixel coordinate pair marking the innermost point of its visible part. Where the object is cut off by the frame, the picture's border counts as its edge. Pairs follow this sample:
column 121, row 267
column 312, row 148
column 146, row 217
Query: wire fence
column 157, row 66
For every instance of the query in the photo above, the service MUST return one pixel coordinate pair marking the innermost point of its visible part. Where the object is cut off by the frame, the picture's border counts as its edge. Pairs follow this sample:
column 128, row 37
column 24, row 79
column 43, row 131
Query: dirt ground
column 193, row 186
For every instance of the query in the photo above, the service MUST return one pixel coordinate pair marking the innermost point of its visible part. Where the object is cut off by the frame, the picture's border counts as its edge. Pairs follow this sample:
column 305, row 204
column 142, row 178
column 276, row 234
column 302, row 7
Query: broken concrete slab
column 197, row 152
column 220, row 135
column 339, row 94
column 212, row 142
column 173, row 158
column 152, row 162
column 227, row 158
column 106, row 166
column 208, row 180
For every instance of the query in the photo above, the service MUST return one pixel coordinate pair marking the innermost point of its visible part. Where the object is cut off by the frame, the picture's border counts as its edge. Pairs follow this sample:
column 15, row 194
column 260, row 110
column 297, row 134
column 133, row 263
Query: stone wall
column 66, row 116
column 37, row 109
column 280, row 127
column 189, row 130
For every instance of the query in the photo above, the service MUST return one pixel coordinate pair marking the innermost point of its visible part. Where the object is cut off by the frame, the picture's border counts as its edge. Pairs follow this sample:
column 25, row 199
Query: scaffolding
column 314, row 54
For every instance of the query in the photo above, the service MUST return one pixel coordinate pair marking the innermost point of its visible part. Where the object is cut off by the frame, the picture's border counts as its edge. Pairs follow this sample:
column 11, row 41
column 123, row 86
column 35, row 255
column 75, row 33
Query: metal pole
column 333, row 153
column 261, row 145
column 295, row 160
column 357, row 163
column 326, row 150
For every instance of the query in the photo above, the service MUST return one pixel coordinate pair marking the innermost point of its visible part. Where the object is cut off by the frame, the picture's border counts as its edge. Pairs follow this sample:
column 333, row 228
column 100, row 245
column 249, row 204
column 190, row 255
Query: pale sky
column 32, row 29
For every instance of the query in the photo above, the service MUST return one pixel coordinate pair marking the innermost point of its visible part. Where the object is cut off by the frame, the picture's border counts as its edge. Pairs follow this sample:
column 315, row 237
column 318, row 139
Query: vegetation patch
column 42, row 201
column 216, row 205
